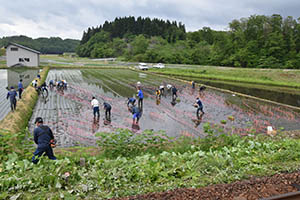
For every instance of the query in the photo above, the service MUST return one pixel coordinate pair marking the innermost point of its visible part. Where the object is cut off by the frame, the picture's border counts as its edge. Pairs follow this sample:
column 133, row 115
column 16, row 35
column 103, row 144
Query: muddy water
column 70, row 116
column 10, row 78
column 277, row 94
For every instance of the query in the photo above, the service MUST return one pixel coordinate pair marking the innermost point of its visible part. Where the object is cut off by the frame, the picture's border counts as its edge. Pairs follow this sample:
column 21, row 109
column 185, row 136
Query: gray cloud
column 69, row 18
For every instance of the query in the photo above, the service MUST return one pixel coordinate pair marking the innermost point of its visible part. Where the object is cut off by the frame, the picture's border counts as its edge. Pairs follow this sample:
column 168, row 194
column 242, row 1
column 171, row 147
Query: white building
column 19, row 55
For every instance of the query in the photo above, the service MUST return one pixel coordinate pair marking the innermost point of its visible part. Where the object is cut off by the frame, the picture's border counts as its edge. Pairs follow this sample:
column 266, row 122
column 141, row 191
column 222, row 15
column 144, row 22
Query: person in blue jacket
column 199, row 107
column 12, row 94
column 107, row 108
column 141, row 97
column 137, row 114
column 42, row 137
column 20, row 88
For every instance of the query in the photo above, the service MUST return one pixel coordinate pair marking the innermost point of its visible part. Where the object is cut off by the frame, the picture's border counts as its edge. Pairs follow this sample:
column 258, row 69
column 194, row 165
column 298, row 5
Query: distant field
column 272, row 77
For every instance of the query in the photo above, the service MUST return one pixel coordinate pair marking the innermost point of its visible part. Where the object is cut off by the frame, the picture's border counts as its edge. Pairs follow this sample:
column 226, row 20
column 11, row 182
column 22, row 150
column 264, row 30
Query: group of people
column 43, row 134
column 96, row 111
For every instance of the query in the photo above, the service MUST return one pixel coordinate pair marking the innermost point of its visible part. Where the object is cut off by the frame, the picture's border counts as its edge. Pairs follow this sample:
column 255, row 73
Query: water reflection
column 14, row 76
column 11, row 77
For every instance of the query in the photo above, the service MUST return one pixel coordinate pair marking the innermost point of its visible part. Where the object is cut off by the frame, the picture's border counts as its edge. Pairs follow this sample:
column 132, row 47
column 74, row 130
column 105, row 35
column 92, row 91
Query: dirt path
column 253, row 189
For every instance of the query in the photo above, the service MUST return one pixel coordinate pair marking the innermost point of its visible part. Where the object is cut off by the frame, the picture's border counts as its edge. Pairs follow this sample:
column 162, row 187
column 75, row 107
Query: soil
column 252, row 189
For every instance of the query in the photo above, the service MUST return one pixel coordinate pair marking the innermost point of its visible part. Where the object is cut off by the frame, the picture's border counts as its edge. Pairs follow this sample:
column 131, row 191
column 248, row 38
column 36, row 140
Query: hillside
column 258, row 41
column 52, row 45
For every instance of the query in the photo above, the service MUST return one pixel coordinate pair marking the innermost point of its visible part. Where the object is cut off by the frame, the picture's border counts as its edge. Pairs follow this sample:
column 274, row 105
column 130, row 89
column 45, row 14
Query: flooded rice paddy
column 70, row 116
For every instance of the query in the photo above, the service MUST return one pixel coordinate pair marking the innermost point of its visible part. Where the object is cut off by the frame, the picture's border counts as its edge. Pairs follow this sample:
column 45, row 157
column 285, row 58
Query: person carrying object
column 44, row 139
column 95, row 106
column 12, row 94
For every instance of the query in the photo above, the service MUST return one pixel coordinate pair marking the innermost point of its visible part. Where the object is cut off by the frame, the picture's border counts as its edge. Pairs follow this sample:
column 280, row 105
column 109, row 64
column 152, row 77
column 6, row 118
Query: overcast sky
column 69, row 18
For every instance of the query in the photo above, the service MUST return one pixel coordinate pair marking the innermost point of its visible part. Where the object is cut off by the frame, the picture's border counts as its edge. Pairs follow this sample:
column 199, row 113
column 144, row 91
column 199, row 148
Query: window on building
column 21, row 60
column 27, row 59
column 14, row 49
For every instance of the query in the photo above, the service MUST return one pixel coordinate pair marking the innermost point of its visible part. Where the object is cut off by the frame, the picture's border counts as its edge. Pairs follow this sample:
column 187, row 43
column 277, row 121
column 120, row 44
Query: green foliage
column 52, row 45
column 127, row 144
column 131, row 164
column 257, row 42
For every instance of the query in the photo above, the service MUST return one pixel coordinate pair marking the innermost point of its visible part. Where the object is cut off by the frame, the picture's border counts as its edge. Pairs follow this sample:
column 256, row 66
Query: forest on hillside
column 257, row 41
column 52, row 45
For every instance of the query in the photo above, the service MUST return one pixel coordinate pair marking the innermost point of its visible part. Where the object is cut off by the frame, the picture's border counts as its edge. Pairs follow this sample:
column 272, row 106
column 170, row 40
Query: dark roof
column 23, row 47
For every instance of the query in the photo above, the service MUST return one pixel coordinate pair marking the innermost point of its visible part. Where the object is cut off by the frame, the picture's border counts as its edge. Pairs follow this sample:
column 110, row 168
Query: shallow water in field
column 70, row 116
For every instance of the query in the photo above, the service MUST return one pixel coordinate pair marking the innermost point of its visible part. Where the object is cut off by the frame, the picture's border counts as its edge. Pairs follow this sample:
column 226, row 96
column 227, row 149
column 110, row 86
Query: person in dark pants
column 107, row 108
column 141, row 97
column 20, row 88
column 42, row 137
column 193, row 84
column 137, row 114
column 199, row 107
column 12, row 94
column 95, row 105
column 174, row 93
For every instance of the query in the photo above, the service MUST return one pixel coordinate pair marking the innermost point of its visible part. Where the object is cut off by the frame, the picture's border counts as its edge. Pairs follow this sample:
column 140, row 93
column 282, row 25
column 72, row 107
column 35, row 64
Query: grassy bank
column 18, row 120
column 271, row 77
column 127, row 166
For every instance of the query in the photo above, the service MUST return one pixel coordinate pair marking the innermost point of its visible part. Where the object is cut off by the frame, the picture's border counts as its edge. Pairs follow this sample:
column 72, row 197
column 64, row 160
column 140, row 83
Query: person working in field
column 174, row 93
column 12, row 94
column 199, row 107
column 20, row 88
column 107, row 108
column 141, row 97
column 130, row 103
column 44, row 139
column 169, row 86
column 193, row 84
column 158, row 94
column 137, row 114
column 162, row 89
column 34, row 83
column 51, row 84
column 95, row 106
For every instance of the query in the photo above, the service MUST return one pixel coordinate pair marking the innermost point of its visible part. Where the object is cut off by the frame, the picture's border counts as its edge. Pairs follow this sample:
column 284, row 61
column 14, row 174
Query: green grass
column 130, row 164
column 271, row 77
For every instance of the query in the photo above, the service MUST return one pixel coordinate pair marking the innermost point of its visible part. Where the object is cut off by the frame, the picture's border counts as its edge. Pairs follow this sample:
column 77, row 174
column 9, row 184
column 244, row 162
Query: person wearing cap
column 42, row 136
column 20, row 88
column 95, row 105
column 12, row 94
column 107, row 108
